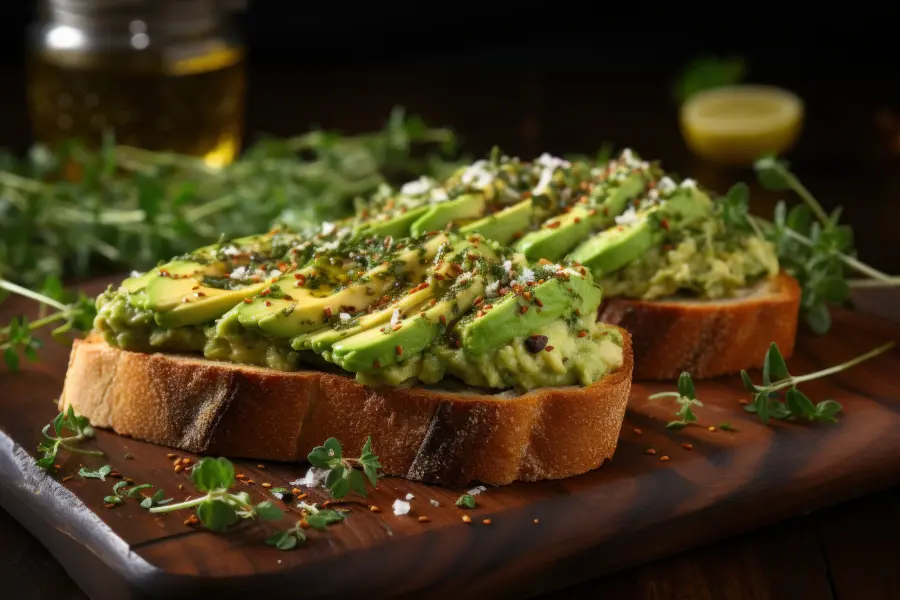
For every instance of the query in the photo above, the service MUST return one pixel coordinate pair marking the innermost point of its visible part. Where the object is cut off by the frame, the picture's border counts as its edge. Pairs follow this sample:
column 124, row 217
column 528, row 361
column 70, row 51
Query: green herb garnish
column 219, row 508
column 17, row 338
column 342, row 478
column 287, row 539
column 466, row 501
column 315, row 517
column 100, row 473
column 726, row 426
column 767, row 402
column 812, row 246
column 64, row 421
column 686, row 398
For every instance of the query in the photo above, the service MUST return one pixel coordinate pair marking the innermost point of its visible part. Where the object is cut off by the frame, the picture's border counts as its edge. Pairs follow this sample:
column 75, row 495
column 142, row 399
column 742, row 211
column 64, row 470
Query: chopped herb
column 466, row 501
column 342, row 477
column 726, row 426
column 113, row 500
column 100, row 473
column 157, row 499
column 686, row 398
column 50, row 446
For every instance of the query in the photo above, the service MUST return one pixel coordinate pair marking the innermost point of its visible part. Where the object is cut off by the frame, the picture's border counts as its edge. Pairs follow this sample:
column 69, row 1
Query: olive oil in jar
column 160, row 75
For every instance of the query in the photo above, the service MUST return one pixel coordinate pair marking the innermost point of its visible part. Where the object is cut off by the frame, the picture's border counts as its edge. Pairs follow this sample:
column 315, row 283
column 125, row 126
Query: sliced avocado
column 558, row 296
column 503, row 226
column 387, row 345
column 323, row 339
column 396, row 226
column 560, row 234
column 615, row 247
column 463, row 208
column 292, row 308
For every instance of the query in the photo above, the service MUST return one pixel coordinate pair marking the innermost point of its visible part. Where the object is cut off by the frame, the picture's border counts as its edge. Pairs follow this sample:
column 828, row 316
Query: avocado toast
column 692, row 288
column 460, row 357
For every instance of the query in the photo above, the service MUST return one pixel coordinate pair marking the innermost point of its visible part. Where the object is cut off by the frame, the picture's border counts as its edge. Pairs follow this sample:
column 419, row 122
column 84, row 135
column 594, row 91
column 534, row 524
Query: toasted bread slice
column 445, row 436
column 708, row 338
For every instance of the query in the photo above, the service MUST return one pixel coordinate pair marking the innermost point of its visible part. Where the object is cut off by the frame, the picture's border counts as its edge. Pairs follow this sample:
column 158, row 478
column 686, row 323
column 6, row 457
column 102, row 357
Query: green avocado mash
column 705, row 260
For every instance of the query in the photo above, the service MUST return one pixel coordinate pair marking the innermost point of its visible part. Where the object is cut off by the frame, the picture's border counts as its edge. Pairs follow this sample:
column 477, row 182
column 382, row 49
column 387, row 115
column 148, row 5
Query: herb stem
column 24, row 184
column 869, row 283
column 79, row 450
column 664, row 395
column 801, row 191
column 793, row 381
column 17, row 289
column 210, row 207
column 180, row 505
column 859, row 266
column 38, row 323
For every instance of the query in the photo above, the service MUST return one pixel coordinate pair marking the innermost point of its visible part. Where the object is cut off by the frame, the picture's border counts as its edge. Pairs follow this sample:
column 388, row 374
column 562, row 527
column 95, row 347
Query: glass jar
column 159, row 74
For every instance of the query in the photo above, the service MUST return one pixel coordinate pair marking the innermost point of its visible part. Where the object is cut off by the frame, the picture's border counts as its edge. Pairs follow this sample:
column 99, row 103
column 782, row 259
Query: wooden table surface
column 847, row 552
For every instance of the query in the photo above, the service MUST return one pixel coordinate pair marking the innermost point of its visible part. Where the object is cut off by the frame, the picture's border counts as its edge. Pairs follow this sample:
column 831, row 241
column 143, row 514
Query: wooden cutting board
column 541, row 536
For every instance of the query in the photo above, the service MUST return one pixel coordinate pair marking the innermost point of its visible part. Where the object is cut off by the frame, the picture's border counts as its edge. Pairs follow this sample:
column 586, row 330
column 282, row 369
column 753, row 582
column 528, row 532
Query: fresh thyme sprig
column 76, row 211
column 17, row 338
column 342, row 478
column 51, row 445
column 812, row 245
column 218, row 509
column 767, row 402
column 686, row 397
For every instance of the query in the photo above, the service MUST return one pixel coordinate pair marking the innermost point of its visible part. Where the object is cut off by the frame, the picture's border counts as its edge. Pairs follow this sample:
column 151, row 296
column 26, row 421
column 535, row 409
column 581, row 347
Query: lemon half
column 739, row 124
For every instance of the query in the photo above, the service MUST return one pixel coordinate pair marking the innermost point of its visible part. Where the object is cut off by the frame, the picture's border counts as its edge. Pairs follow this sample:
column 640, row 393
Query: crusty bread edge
column 421, row 434
column 707, row 339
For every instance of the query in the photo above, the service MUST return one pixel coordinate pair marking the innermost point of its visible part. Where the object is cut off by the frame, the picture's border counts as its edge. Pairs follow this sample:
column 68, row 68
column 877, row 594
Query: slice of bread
column 445, row 436
column 708, row 338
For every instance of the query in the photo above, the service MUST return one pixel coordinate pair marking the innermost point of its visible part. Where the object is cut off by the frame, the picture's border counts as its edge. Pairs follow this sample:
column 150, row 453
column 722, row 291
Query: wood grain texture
column 631, row 511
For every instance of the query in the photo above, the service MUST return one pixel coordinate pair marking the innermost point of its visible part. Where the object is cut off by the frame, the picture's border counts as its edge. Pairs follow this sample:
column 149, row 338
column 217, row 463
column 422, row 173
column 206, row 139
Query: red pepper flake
column 66, row 478
column 687, row 446
column 577, row 220
column 538, row 302
column 423, row 519
column 478, row 301
column 544, row 261
column 196, row 287
column 743, row 401
column 399, row 350
column 479, row 314
column 650, row 451
column 288, row 298
column 486, row 521
column 457, row 343
column 637, row 431
column 665, row 224
column 553, row 225
column 248, row 300
column 268, row 303
column 487, row 306
column 523, row 309
column 374, row 509
column 443, row 319
column 327, row 312
column 592, row 212
column 582, row 333
column 527, row 296
column 266, row 292
column 396, row 326
column 199, row 294
column 164, row 273
column 664, row 458
column 376, row 364
column 549, row 348
column 185, row 300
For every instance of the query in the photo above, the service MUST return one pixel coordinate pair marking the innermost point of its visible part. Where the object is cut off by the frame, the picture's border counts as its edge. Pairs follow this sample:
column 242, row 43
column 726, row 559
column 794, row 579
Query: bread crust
column 708, row 339
column 422, row 434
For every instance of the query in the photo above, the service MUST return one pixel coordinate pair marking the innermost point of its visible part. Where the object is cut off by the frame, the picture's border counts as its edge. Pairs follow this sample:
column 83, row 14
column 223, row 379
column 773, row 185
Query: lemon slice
column 739, row 124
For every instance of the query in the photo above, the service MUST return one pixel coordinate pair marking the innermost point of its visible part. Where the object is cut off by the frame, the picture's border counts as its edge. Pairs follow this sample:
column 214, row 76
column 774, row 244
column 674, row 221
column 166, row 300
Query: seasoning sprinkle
column 663, row 458
column 486, row 521
column 423, row 519
column 374, row 509
column 650, row 451
column 687, row 446
column 466, row 519
column 637, row 431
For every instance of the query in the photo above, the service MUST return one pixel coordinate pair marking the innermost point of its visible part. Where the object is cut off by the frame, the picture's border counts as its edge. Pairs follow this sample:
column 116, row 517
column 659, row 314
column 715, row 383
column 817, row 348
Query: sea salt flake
column 395, row 318
column 476, row 490
column 410, row 497
column 314, row 478
column 401, row 507
column 629, row 217
column 344, row 317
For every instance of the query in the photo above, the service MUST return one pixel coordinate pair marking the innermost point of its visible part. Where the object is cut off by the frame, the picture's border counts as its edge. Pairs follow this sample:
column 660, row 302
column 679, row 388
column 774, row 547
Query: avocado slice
column 463, row 208
column 560, row 234
column 504, row 225
column 292, row 308
column 615, row 247
column 561, row 294
column 322, row 340
column 396, row 226
column 387, row 345
column 176, row 294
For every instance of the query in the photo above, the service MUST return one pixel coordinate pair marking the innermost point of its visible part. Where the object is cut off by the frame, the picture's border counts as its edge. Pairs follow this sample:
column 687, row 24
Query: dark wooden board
column 632, row 510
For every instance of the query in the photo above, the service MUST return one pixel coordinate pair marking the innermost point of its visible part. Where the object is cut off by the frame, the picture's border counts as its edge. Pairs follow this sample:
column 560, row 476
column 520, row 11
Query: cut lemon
column 739, row 124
